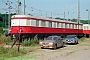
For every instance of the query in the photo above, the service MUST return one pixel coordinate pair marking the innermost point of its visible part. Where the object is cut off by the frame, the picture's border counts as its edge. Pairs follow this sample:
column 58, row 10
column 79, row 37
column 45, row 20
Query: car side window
column 59, row 39
column 55, row 38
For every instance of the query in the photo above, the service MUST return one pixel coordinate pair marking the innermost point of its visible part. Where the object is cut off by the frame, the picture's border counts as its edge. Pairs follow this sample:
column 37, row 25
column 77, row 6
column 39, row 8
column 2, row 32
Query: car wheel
column 55, row 47
column 42, row 48
column 75, row 43
column 63, row 44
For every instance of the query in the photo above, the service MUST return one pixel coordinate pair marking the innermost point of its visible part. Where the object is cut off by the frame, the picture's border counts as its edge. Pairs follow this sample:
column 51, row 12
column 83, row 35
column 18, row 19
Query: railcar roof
column 28, row 16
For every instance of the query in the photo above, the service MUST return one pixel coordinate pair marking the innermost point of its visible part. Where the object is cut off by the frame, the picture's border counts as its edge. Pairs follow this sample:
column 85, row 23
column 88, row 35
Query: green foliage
column 29, row 43
column 74, row 20
column 26, row 43
column 60, row 18
column 1, row 30
column 3, row 18
column 32, row 42
column 84, row 21
column 57, row 18
column 82, row 39
column 5, row 40
column 13, row 52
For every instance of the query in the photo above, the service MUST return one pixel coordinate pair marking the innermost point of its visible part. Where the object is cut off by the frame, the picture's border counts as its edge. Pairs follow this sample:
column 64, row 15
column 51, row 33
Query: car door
column 59, row 42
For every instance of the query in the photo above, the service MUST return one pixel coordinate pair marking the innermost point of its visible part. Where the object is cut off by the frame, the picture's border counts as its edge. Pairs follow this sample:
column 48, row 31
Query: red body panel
column 43, row 30
column 86, row 31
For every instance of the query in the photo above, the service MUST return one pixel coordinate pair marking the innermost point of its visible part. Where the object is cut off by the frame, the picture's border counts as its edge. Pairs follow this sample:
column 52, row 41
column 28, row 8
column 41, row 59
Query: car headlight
column 40, row 42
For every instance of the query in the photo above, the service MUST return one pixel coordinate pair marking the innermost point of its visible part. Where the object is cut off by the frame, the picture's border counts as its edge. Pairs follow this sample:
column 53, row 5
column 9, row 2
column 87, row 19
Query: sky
column 48, row 8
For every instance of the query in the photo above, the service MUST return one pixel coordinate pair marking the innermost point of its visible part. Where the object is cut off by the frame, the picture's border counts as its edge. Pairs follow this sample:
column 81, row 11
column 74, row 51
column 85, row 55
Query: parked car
column 52, row 42
column 71, row 39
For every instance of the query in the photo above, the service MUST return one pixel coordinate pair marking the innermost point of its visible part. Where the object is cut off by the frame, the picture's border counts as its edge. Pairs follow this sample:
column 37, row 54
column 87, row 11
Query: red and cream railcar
column 86, row 29
column 28, row 26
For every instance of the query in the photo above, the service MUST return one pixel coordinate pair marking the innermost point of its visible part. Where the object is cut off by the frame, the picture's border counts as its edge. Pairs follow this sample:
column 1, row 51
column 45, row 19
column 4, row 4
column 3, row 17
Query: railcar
column 29, row 26
column 86, row 30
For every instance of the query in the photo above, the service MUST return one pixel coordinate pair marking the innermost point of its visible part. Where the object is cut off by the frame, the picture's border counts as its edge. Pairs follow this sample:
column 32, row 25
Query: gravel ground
column 80, row 51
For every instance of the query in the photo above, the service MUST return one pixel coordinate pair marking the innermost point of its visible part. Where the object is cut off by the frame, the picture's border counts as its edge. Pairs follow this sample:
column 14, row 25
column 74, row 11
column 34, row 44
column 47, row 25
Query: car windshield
column 70, row 37
column 51, row 38
column 55, row 38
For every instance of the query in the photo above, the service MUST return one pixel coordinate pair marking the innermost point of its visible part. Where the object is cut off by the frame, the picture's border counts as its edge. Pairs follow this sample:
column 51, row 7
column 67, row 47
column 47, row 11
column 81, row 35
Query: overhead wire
column 43, row 11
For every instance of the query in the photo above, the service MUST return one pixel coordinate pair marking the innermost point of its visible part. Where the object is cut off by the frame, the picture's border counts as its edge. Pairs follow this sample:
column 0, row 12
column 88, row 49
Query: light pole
column 88, row 19
column 9, row 7
column 5, row 18
column 64, row 15
column 88, row 16
column 78, row 20
column 24, row 7
column 18, row 6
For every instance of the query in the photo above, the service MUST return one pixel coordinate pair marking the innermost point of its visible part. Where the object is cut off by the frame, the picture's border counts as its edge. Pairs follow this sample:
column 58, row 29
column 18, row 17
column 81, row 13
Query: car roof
column 71, row 35
column 54, row 36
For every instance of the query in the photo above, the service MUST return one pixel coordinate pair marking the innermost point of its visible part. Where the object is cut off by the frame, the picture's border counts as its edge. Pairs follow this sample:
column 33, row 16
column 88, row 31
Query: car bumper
column 70, row 41
column 47, row 46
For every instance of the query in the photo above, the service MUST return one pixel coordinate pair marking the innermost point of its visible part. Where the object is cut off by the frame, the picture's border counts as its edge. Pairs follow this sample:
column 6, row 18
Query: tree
column 1, row 19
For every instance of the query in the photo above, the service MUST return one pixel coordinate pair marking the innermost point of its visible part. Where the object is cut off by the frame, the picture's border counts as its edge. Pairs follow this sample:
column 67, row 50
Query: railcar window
column 54, row 24
column 79, row 26
column 66, row 25
column 84, row 27
column 37, row 22
column 69, row 25
column 50, row 24
column 73, row 26
column 28, row 22
column 43, row 24
column 87, row 28
column 61, row 25
column 58, row 25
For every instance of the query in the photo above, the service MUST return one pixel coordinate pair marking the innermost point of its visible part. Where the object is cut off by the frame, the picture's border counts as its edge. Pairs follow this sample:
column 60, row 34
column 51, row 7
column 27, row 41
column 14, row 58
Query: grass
column 4, row 40
column 69, row 53
column 8, row 53
column 13, row 52
column 82, row 39
column 30, row 42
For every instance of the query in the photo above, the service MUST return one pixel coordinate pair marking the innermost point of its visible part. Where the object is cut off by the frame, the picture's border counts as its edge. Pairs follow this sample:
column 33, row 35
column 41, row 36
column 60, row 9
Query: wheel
column 55, row 47
column 75, row 43
column 42, row 48
column 63, row 44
